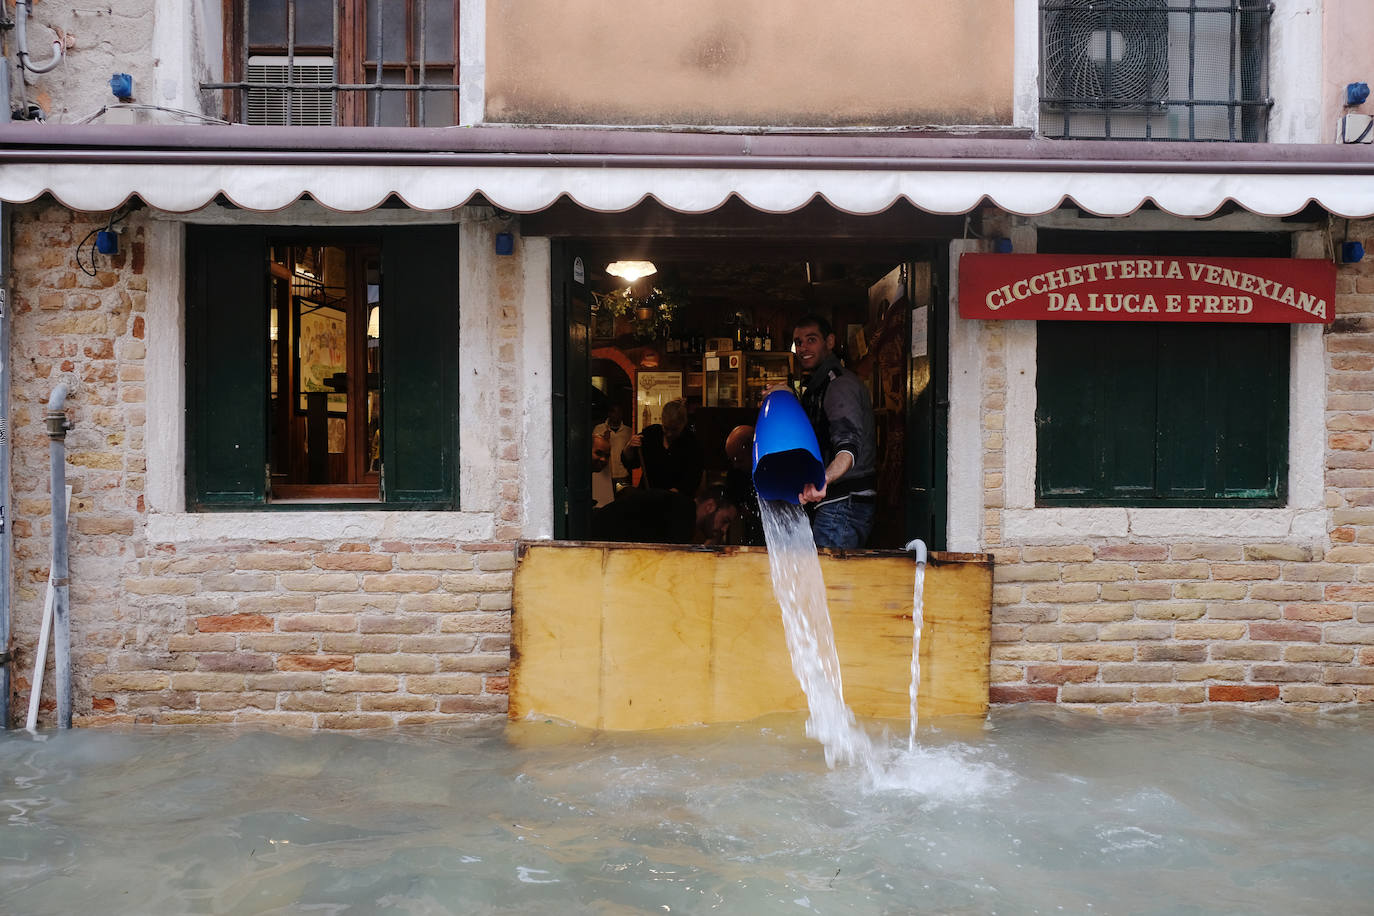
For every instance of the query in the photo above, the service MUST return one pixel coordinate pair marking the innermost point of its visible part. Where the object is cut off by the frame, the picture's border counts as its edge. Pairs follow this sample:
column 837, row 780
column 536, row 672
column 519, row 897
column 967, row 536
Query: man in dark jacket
column 841, row 413
column 668, row 451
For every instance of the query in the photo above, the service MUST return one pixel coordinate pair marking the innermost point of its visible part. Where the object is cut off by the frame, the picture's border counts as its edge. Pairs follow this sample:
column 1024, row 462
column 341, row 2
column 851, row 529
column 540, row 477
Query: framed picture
column 652, row 391
column 321, row 354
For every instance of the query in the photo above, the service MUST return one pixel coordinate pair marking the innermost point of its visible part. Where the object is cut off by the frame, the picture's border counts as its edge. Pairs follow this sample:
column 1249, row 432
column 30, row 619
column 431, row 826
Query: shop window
column 1140, row 414
column 322, row 368
column 357, row 62
column 1162, row 414
column 1154, row 69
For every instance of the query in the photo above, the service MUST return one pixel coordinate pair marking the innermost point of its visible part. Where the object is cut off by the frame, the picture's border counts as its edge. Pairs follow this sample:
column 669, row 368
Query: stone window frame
column 479, row 412
column 1302, row 520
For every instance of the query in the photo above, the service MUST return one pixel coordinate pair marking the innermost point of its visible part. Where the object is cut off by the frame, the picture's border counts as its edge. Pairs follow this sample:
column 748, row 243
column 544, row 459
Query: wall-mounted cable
column 94, row 240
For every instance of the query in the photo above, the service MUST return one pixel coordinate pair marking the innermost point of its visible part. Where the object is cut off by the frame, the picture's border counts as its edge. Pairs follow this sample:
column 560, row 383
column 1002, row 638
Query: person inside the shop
column 739, row 483
column 841, row 413
column 653, row 516
column 668, row 452
column 618, row 434
column 603, row 489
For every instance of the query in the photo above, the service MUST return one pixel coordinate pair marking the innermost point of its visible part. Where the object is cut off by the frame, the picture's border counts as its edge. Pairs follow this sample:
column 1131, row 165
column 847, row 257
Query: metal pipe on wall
column 58, row 425
column 5, row 537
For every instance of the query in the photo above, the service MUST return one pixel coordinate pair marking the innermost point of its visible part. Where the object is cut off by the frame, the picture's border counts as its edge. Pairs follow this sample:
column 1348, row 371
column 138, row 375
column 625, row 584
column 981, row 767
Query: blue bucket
column 786, row 454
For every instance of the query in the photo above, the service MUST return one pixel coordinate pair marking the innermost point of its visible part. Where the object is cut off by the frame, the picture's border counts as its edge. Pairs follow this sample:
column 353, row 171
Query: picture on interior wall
column 322, row 356
column 654, row 389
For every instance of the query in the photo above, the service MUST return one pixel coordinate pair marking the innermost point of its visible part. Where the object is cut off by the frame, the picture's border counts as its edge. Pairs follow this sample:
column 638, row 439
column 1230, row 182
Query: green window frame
column 1140, row 414
column 227, row 403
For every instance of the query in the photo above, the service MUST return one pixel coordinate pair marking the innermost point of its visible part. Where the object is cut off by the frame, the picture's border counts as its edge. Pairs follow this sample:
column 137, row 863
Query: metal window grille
column 405, row 56
column 1155, row 69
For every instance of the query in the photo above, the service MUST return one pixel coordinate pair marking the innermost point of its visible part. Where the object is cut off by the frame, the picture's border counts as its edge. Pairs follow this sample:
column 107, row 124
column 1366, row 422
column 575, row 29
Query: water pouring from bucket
column 786, row 458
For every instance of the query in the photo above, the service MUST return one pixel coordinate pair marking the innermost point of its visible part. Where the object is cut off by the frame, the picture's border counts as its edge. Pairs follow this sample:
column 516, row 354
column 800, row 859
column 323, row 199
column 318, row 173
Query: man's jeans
column 843, row 523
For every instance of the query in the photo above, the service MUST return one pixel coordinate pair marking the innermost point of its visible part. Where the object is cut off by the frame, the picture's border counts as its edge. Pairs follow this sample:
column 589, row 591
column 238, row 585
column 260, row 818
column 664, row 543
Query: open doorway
column 709, row 325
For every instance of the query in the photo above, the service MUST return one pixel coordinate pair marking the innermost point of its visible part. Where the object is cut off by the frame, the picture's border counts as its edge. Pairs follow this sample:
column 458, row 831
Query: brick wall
column 1121, row 626
column 324, row 633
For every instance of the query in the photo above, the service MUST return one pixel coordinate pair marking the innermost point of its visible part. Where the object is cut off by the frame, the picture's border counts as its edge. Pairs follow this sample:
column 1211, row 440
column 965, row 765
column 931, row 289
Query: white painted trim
column 173, row 55
column 1026, row 64
column 472, row 62
column 1019, row 420
column 480, row 366
column 964, row 477
column 1295, row 72
column 186, row 528
column 536, row 353
column 164, row 440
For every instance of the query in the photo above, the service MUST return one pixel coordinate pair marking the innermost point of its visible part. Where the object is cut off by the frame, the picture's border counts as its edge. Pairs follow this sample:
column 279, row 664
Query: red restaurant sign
column 1145, row 288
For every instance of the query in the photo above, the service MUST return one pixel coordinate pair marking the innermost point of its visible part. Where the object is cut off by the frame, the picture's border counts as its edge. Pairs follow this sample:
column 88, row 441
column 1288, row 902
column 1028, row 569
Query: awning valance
column 524, row 170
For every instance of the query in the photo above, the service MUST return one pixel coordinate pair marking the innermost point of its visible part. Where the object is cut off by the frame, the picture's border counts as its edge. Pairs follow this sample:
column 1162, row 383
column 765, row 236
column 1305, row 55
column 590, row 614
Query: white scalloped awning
column 527, row 170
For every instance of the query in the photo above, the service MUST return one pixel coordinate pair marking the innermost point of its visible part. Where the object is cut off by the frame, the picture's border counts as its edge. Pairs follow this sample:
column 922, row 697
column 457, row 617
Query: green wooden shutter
column 419, row 340
column 1141, row 414
column 1095, row 410
column 1223, row 411
column 226, row 335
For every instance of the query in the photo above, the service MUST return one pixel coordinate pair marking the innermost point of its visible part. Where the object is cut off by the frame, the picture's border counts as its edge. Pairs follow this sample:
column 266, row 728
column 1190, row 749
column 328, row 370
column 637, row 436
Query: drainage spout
column 918, row 547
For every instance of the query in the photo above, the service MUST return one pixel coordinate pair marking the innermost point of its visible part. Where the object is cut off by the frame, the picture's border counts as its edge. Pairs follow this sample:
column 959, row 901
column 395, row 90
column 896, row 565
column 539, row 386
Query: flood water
column 1032, row 811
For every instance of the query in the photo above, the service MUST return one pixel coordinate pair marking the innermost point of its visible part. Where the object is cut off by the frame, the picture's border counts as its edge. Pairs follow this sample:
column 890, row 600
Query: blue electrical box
column 107, row 242
column 122, row 85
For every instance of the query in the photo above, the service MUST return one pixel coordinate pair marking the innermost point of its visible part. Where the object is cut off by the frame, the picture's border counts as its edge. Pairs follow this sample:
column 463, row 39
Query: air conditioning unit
column 292, row 99
column 1112, row 52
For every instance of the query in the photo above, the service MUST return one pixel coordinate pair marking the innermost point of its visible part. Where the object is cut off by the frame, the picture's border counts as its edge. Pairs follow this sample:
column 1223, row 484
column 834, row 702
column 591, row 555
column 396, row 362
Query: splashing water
column 800, row 590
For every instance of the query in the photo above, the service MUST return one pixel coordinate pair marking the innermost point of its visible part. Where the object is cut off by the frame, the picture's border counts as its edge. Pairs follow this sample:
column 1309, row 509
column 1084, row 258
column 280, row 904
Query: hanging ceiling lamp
column 631, row 271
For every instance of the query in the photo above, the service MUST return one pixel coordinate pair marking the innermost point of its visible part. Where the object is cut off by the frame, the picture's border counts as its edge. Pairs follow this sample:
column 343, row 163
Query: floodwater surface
column 1030, row 811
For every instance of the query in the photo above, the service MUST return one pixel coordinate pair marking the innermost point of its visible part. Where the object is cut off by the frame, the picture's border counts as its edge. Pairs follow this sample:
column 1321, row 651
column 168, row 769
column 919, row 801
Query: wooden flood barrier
column 635, row 636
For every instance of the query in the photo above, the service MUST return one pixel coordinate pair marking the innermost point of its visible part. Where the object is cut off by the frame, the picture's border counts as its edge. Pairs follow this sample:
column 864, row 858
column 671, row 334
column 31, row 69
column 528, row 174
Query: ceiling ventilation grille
column 301, row 104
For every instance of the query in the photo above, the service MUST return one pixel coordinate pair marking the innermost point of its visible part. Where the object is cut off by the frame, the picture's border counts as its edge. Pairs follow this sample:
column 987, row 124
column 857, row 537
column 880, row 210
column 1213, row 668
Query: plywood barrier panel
column 870, row 610
column 655, row 637
column 636, row 636
column 751, row 669
column 556, row 633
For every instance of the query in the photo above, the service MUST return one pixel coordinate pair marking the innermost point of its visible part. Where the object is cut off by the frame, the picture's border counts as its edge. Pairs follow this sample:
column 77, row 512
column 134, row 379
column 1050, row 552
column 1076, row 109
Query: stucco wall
column 169, row 47
column 780, row 62
column 1348, row 40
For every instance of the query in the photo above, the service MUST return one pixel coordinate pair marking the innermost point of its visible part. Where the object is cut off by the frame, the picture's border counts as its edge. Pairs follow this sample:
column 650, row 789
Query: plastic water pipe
column 22, row 10
column 40, row 654
column 5, row 513
column 917, row 547
column 56, row 420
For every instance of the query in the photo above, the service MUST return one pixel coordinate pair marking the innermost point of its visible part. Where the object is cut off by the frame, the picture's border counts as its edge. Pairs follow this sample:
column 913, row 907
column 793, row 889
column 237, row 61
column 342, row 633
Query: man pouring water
column 841, row 413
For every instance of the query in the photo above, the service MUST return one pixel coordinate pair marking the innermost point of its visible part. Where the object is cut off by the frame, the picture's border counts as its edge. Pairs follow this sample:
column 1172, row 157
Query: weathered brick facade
column 337, row 633
column 1125, row 626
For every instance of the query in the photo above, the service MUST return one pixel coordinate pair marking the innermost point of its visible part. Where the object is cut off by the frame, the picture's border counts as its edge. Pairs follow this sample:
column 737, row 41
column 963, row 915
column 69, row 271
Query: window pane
column 267, row 23
column 394, row 105
column 314, row 24
column 439, row 109
column 389, row 29
column 438, row 43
